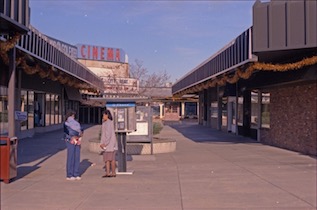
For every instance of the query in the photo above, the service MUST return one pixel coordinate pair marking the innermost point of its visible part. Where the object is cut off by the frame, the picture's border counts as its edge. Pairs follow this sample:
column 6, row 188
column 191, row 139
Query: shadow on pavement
column 199, row 133
column 35, row 150
column 84, row 165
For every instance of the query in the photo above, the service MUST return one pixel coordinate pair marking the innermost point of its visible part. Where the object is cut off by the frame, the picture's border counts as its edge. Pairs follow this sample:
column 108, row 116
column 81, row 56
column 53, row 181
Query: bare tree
column 147, row 80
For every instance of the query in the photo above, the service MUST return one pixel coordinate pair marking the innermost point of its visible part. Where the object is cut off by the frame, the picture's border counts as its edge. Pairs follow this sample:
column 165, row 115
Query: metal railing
column 37, row 45
column 236, row 53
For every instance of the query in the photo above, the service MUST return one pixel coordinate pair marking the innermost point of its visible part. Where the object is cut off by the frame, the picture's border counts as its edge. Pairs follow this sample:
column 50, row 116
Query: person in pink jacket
column 109, row 144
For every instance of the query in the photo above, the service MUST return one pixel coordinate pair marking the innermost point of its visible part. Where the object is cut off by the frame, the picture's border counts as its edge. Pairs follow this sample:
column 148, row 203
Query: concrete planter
column 159, row 146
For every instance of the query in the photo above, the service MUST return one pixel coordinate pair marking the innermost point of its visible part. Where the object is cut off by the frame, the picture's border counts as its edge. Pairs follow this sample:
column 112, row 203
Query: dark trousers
column 73, row 160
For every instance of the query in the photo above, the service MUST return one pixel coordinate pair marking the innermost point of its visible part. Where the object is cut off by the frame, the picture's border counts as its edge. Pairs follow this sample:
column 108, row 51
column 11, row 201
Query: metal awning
column 36, row 45
column 8, row 25
column 234, row 55
column 73, row 94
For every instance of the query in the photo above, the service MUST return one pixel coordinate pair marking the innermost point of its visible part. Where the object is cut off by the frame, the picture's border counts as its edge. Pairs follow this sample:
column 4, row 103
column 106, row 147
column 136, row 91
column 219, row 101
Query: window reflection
column 24, row 108
column 4, row 127
column 30, row 109
column 47, row 109
column 254, row 108
column 265, row 110
column 240, row 111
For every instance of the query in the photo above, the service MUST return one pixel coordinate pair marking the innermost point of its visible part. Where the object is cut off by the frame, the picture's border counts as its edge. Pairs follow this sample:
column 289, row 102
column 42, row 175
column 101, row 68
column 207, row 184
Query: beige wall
column 293, row 118
column 103, row 68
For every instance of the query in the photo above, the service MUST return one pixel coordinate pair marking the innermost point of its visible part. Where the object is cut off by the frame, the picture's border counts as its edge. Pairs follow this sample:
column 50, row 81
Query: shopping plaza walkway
column 208, row 170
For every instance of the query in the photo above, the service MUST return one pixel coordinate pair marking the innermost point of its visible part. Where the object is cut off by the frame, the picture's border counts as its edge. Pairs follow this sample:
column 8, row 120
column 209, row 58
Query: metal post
column 150, row 128
column 122, row 153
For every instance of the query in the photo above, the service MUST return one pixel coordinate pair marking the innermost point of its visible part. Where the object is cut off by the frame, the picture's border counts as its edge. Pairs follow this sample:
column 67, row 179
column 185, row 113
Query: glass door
column 232, row 114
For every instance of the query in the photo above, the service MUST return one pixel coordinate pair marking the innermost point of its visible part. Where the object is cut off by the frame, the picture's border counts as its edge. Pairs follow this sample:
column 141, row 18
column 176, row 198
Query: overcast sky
column 171, row 36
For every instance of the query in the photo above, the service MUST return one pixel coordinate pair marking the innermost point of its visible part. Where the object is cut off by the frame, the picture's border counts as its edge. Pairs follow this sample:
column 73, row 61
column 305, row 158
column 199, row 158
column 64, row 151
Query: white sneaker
column 70, row 178
column 77, row 178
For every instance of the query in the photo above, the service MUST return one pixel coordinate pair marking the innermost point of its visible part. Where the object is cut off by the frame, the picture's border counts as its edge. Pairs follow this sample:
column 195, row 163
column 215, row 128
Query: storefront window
column 60, row 114
column 48, row 109
column 52, row 109
column 30, row 109
column 231, row 115
column 56, row 109
column 24, row 108
column 254, row 108
column 4, row 127
column 191, row 109
column 214, row 109
column 171, row 107
column 156, row 110
column 240, row 111
column 224, row 111
column 265, row 110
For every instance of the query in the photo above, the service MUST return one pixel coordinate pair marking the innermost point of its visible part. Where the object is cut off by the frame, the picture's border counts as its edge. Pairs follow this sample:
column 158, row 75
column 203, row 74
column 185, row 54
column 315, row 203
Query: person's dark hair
column 69, row 113
column 107, row 112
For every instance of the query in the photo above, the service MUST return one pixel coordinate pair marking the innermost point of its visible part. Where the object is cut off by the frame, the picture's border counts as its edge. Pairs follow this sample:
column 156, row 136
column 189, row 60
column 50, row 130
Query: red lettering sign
column 88, row 52
column 117, row 55
column 92, row 52
column 82, row 51
column 102, row 53
column 110, row 54
column 95, row 52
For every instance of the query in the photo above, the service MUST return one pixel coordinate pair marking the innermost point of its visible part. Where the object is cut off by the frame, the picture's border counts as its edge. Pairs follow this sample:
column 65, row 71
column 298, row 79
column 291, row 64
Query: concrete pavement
column 208, row 170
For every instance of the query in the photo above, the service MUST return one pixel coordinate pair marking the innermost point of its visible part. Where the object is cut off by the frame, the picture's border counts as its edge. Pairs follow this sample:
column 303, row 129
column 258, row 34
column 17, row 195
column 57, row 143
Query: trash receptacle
column 8, row 158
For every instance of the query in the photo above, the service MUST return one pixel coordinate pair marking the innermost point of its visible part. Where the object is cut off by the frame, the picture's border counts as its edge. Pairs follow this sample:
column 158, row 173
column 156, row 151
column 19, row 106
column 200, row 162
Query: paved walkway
column 208, row 170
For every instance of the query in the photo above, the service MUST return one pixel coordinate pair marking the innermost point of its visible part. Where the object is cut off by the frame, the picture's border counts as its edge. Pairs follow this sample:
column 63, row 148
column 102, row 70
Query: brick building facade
column 293, row 118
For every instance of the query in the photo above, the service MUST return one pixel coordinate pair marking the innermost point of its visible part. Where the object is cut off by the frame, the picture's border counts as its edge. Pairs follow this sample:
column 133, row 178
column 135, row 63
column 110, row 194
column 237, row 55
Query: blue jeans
column 73, row 159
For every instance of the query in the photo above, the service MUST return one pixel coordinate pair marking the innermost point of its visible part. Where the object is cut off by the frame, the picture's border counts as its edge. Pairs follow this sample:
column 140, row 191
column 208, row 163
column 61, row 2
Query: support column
column 183, row 109
column 63, row 109
column 247, row 113
column 219, row 118
column 11, row 92
column 197, row 108
column 88, row 120
column 236, row 108
column 161, row 111
column 259, row 116
column 201, row 108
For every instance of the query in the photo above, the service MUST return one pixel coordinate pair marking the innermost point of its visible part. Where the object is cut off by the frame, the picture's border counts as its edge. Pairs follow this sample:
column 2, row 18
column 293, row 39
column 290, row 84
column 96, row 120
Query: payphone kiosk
column 124, row 116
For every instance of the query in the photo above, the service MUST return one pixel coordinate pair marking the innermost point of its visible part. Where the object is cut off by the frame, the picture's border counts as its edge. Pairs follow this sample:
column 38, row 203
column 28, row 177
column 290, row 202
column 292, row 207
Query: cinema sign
column 91, row 52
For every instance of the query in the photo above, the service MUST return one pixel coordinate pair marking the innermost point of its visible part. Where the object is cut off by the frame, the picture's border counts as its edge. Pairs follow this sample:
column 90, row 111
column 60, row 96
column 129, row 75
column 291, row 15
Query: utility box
column 8, row 158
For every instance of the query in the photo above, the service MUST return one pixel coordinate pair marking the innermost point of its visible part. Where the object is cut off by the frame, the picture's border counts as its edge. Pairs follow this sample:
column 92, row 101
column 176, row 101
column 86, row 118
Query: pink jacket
column 108, row 136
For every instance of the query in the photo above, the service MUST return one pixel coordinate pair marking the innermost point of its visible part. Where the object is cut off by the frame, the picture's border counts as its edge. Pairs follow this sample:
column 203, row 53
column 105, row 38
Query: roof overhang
column 9, row 26
column 120, row 99
column 285, row 55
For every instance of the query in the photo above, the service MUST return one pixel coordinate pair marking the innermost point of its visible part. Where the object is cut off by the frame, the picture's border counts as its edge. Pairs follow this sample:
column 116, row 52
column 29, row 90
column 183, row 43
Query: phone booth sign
column 124, row 116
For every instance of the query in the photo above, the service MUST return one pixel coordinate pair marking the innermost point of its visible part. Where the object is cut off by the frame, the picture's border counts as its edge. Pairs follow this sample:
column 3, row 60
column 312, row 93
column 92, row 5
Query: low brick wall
column 293, row 118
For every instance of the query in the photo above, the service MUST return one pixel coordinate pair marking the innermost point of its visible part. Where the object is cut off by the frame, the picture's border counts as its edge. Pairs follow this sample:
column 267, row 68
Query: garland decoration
column 5, row 46
column 53, row 75
column 246, row 74
column 28, row 69
column 44, row 74
column 42, row 71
